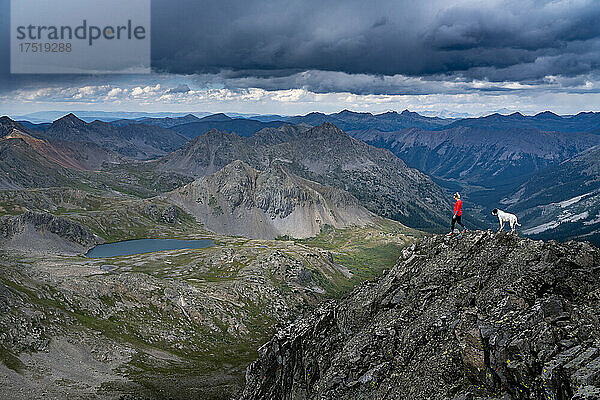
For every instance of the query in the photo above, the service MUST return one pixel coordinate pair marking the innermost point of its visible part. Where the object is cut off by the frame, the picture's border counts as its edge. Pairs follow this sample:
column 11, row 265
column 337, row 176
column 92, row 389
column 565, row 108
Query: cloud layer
column 166, row 93
column 300, row 50
column 524, row 41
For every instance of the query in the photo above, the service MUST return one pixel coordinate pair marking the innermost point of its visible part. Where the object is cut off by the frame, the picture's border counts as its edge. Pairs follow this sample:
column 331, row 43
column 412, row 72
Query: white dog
column 504, row 217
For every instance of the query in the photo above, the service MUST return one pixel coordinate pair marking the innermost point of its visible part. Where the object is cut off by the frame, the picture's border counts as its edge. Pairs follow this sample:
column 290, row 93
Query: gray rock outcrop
column 44, row 232
column 481, row 316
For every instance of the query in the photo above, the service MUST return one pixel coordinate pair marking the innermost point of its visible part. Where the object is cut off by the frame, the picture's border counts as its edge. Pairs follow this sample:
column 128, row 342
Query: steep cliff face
column 482, row 316
column 44, row 232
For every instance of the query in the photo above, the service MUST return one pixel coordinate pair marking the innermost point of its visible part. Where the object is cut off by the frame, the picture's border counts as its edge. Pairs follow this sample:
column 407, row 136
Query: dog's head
column 495, row 211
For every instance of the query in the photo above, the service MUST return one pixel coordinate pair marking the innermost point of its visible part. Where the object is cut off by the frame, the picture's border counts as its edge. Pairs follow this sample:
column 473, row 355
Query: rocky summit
column 240, row 200
column 484, row 315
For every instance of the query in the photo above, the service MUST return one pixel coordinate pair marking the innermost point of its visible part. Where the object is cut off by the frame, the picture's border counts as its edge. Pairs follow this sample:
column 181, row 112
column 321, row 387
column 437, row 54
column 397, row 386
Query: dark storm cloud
column 179, row 89
column 363, row 84
column 508, row 40
column 363, row 47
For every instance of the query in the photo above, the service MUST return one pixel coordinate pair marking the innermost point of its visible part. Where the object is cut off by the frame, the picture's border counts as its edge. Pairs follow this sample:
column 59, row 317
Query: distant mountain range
column 491, row 159
column 137, row 141
column 480, row 156
column 164, row 122
column 545, row 121
column 247, row 125
column 240, row 126
column 46, row 160
column 192, row 126
column 389, row 121
column 28, row 162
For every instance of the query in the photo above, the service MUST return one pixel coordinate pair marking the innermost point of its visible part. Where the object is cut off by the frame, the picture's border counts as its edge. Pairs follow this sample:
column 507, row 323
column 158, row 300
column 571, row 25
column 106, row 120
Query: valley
column 177, row 323
column 300, row 215
column 139, row 324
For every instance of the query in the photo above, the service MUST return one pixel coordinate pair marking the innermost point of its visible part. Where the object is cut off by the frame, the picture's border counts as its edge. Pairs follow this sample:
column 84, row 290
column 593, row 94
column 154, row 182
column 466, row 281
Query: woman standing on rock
column 457, row 217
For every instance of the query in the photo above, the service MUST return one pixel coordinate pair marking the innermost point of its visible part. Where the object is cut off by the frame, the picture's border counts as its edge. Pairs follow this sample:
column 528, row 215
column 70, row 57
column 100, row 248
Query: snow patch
column 572, row 201
column 567, row 217
column 514, row 198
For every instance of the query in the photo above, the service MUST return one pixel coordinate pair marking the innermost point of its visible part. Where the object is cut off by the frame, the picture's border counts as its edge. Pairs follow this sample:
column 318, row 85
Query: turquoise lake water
column 140, row 246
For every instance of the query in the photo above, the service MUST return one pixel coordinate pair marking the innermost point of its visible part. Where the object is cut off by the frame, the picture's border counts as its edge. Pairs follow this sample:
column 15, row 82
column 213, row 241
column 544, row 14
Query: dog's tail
column 517, row 223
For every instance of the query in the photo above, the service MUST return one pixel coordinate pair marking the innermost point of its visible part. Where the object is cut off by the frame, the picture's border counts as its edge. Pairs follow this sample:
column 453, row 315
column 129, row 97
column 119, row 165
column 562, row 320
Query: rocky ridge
column 240, row 200
column 482, row 316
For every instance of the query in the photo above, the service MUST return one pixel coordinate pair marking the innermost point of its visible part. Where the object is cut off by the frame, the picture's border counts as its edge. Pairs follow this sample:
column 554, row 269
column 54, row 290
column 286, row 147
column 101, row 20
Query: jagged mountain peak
column 241, row 200
column 7, row 126
column 69, row 119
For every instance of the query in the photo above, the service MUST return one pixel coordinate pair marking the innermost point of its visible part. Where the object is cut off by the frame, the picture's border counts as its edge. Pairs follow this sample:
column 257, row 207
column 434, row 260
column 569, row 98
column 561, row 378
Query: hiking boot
column 450, row 234
column 464, row 230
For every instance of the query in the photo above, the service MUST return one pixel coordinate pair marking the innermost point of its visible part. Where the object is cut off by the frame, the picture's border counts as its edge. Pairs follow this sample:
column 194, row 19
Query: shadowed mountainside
column 136, row 141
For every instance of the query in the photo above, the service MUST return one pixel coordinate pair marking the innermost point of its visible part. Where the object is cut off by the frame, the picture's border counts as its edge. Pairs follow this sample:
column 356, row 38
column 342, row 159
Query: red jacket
column 458, row 207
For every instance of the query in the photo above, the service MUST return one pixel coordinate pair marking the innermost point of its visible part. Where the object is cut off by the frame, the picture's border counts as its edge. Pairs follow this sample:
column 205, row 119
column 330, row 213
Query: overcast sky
column 290, row 57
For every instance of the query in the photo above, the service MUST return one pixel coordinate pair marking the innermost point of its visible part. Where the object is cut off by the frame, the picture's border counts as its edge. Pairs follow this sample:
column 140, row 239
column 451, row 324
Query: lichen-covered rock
column 480, row 316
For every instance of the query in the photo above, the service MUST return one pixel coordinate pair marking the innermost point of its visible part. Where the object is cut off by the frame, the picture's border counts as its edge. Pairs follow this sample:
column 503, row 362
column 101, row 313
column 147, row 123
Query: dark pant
column 455, row 219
